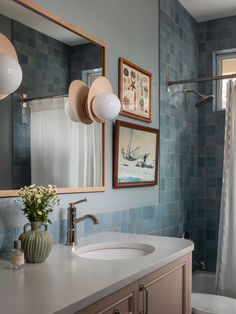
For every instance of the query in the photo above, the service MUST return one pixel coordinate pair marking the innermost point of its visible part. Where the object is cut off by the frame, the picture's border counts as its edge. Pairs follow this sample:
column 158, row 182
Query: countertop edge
column 99, row 295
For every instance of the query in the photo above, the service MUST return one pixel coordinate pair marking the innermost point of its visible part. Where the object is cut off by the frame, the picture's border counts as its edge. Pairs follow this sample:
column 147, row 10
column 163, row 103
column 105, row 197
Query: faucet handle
column 72, row 204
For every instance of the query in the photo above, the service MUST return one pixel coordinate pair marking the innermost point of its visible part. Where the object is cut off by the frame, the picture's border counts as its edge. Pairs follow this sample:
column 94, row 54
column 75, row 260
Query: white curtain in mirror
column 63, row 152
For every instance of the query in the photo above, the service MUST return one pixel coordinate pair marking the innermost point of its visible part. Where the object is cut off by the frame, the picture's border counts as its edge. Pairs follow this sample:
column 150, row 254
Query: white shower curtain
column 226, row 259
column 63, row 152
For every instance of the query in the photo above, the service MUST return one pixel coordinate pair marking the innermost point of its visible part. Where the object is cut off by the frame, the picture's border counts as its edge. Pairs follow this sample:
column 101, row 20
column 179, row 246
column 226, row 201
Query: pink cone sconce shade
column 95, row 104
column 10, row 70
column 78, row 92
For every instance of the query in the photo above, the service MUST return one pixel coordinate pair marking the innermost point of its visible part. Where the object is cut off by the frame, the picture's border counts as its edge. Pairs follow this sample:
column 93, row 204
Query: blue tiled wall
column 203, row 214
column 178, row 115
column 210, row 161
column 213, row 36
column 157, row 220
column 44, row 62
column 85, row 57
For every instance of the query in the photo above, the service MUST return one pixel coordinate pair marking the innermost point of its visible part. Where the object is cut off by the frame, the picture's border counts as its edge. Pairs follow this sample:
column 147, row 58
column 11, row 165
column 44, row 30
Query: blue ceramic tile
column 7, row 237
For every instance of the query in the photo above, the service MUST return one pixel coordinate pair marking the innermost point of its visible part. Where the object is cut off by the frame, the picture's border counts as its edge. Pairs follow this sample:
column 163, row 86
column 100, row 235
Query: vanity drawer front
column 123, row 301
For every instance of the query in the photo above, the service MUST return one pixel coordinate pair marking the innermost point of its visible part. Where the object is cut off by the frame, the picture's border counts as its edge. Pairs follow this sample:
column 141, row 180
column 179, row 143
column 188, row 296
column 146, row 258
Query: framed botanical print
column 135, row 91
column 136, row 150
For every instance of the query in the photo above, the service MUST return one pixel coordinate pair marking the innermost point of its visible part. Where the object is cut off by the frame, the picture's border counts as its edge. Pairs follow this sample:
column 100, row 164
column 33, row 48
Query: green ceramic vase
column 36, row 243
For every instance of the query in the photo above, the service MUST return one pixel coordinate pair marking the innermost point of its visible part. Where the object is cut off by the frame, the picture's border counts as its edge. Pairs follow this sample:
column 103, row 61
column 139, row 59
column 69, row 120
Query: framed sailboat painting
column 136, row 150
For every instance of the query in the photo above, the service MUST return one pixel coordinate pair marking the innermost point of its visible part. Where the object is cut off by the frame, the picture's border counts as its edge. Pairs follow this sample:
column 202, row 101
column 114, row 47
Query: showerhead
column 203, row 99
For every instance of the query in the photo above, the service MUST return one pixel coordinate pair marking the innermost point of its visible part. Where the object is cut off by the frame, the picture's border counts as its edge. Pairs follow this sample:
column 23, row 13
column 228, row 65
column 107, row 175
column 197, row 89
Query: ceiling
column 205, row 10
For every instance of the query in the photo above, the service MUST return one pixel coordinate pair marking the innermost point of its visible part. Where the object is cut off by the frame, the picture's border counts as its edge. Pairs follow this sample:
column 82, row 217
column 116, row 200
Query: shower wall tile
column 213, row 36
column 178, row 115
column 85, row 57
column 45, row 58
column 203, row 171
column 156, row 220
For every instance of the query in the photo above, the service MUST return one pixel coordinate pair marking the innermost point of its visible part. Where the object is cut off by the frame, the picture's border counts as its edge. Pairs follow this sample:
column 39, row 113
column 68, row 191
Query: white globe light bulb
column 10, row 74
column 106, row 106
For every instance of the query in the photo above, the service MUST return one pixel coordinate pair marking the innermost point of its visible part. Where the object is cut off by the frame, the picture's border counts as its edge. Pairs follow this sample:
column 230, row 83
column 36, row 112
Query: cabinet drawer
column 123, row 301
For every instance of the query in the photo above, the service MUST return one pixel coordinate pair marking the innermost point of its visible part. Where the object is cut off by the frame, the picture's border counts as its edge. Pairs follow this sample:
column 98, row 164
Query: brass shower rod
column 201, row 79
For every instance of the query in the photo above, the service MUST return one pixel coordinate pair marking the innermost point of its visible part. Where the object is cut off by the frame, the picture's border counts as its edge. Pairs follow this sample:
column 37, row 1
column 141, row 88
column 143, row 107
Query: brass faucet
column 72, row 222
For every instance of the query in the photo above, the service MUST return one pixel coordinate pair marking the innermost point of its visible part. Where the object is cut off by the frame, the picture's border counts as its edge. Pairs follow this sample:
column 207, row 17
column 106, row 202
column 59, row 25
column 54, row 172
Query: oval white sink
column 114, row 250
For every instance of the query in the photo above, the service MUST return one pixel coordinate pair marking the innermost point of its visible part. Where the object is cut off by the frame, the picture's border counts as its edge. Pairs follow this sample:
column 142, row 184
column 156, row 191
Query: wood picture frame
column 136, row 155
column 135, row 91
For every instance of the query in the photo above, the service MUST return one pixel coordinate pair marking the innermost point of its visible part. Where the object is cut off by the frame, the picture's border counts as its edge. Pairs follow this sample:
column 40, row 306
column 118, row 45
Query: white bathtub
column 204, row 298
column 204, row 282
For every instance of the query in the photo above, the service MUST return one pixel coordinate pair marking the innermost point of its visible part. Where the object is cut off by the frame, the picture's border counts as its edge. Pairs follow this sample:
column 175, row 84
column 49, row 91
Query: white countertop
column 66, row 283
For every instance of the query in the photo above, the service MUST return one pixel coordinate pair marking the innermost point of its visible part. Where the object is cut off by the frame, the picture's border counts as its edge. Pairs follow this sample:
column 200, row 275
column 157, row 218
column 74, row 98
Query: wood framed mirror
column 37, row 144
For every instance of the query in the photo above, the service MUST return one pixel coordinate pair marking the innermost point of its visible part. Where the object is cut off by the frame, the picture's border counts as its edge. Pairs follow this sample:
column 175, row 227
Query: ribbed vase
column 36, row 243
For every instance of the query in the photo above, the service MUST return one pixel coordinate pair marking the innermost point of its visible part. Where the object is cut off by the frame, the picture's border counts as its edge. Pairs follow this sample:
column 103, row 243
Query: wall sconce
column 10, row 70
column 95, row 104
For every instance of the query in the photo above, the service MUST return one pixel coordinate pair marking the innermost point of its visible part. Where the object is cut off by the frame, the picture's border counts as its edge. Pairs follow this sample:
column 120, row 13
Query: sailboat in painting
column 134, row 158
column 129, row 153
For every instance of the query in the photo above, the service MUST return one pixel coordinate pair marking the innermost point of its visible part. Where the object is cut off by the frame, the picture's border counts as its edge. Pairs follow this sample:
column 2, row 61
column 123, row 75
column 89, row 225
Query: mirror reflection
column 39, row 143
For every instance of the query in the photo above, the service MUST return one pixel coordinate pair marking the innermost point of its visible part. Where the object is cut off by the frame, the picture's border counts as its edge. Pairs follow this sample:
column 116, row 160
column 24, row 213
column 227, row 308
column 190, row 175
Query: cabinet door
column 168, row 290
column 123, row 301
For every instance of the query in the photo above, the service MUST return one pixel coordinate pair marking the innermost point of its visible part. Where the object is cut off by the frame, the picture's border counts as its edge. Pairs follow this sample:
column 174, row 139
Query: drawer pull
column 116, row 311
column 144, row 289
